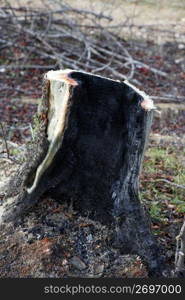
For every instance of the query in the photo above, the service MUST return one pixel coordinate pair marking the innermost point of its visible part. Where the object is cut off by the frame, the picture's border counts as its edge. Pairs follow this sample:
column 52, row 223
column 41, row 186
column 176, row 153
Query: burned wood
column 88, row 149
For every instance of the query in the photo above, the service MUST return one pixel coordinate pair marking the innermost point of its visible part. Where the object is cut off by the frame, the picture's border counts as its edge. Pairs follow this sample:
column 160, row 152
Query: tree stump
column 90, row 136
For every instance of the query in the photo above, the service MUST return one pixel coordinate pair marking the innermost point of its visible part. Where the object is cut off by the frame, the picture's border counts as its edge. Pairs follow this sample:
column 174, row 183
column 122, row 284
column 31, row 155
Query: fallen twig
column 11, row 67
column 69, row 42
column 171, row 183
column 5, row 141
column 180, row 252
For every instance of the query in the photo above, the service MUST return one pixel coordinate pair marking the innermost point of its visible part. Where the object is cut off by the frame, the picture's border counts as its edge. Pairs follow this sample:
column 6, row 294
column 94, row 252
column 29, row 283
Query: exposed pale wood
column 110, row 193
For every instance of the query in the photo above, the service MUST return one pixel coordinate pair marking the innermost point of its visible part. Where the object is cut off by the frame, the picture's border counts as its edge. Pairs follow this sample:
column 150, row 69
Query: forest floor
column 162, row 181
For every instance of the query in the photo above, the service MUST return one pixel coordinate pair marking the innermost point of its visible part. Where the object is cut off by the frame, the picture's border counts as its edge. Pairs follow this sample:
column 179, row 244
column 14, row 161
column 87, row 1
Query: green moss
column 14, row 151
column 35, row 125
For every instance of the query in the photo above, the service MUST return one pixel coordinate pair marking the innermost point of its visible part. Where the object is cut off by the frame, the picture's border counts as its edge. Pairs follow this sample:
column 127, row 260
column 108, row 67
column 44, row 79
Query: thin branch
column 168, row 98
column 11, row 67
column 171, row 183
column 180, row 252
column 5, row 141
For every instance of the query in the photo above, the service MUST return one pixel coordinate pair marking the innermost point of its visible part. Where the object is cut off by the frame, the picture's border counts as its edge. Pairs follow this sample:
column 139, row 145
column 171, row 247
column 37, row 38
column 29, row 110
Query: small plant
column 163, row 163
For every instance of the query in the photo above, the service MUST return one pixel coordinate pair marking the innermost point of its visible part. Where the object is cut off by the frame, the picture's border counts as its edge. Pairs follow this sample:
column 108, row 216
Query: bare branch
column 180, row 252
column 172, row 183
column 72, row 38
column 5, row 141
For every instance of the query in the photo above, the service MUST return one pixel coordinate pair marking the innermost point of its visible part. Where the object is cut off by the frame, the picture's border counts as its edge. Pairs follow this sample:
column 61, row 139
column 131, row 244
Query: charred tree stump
column 89, row 143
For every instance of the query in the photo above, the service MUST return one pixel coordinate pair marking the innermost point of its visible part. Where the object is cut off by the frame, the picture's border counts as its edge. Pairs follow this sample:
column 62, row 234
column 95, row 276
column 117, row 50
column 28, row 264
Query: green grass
column 160, row 197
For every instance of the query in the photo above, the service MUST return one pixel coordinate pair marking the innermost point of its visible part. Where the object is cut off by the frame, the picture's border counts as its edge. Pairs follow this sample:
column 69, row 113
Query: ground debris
column 55, row 245
column 77, row 263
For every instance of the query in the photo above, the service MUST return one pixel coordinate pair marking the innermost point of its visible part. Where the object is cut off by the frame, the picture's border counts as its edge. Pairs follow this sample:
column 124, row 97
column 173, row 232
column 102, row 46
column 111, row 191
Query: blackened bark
column 94, row 160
